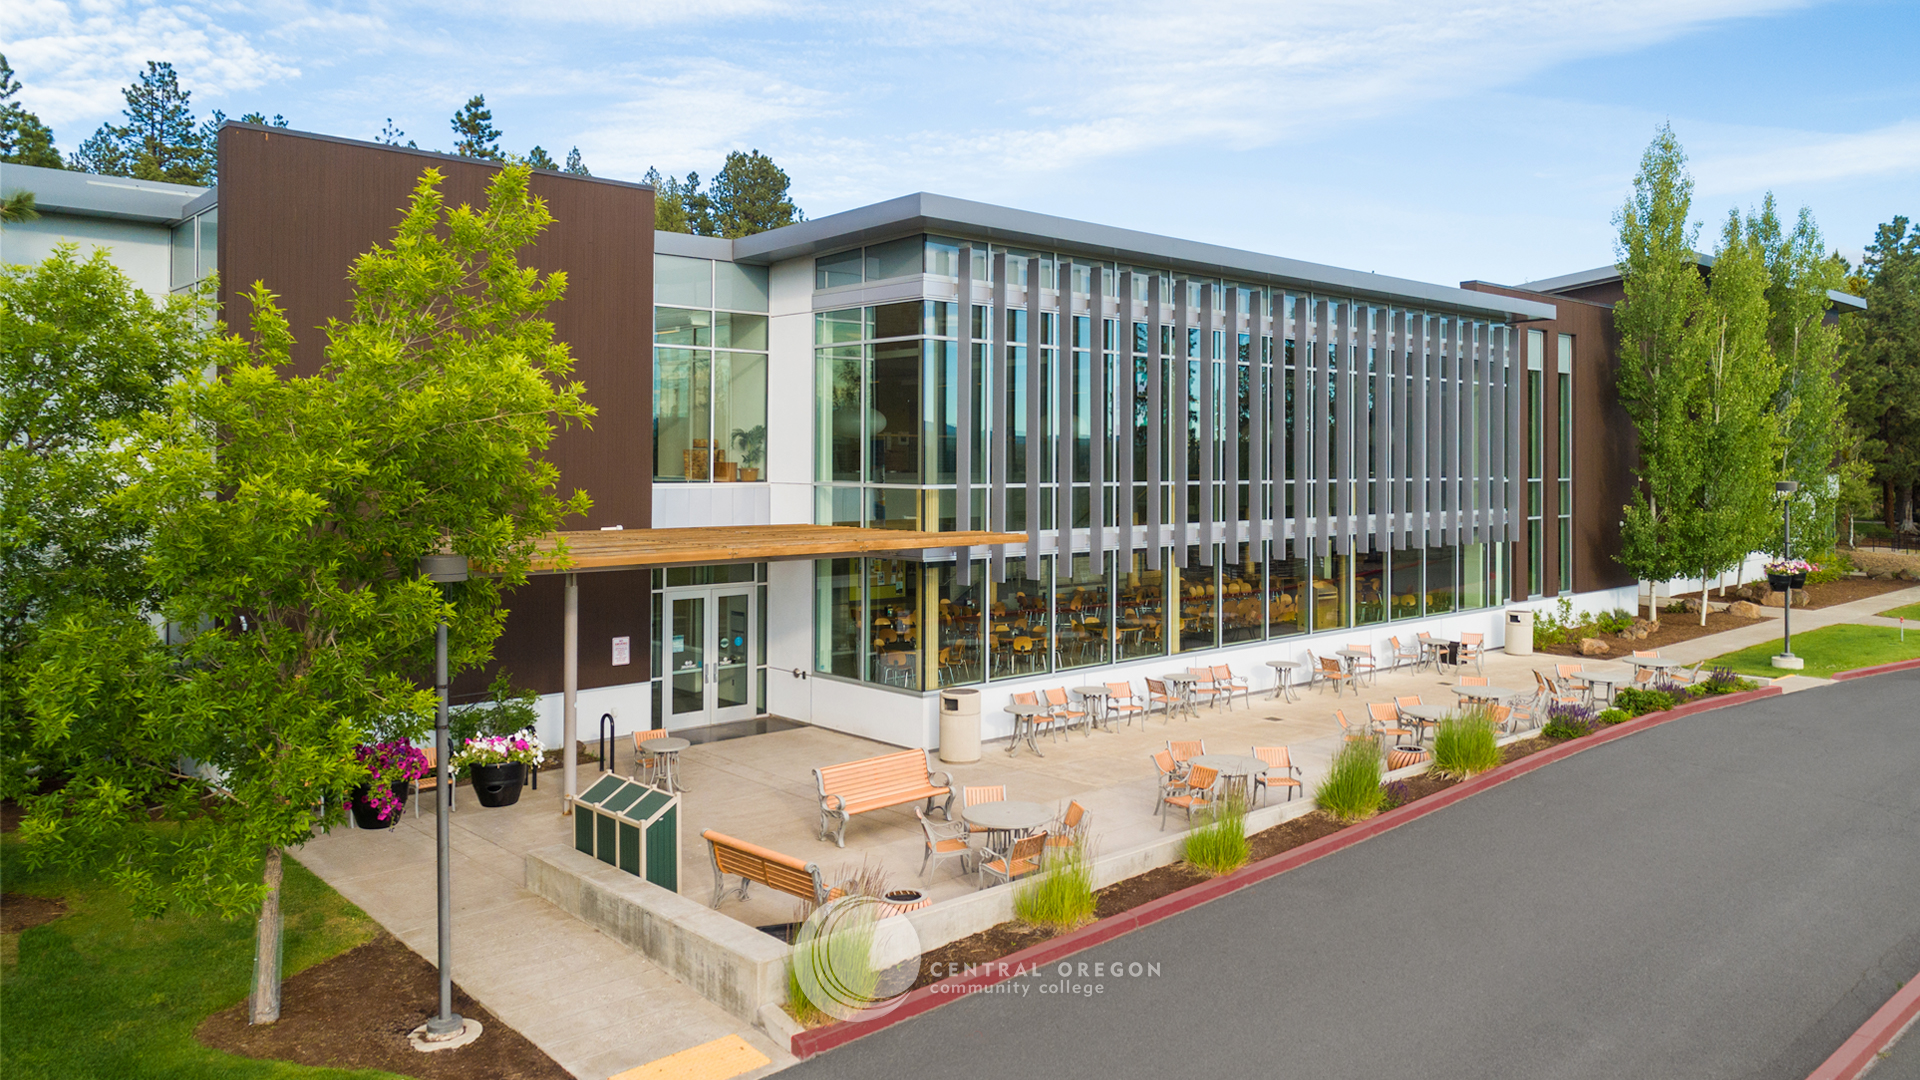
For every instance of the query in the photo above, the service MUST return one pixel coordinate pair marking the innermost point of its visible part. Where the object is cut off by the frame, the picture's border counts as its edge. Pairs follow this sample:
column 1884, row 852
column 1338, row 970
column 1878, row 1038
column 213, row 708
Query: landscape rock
column 1691, row 606
column 1745, row 609
column 1590, row 646
column 1775, row 599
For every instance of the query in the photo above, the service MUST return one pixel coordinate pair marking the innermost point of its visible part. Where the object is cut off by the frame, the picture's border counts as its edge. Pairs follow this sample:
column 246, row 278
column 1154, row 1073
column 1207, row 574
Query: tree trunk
column 1703, row 599
column 264, row 1002
column 1906, row 506
column 1886, row 504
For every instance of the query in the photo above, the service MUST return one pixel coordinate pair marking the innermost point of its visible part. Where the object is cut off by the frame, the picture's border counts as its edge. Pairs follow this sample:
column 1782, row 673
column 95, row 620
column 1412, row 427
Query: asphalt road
column 1727, row 895
column 1902, row 1061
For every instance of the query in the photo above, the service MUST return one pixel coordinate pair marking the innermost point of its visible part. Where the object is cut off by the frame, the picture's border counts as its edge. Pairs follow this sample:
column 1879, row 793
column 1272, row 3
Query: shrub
column 1464, row 745
column 1568, row 721
column 1351, row 791
column 1721, row 681
column 1613, row 716
column 1061, row 897
column 1398, row 793
column 1678, row 607
column 1637, row 702
column 1613, row 622
column 1220, row 846
column 506, row 712
column 1834, row 566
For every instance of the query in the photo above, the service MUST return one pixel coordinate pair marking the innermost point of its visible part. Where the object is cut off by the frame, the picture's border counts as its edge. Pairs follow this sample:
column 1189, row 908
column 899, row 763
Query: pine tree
column 24, row 139
column 669, row 210
column 1660, row 347
column 392, row 135
column 159, row 141
column 575, row 165
column 540, row 159
column 473, row 131
column 1883, row 365
column 749, row 195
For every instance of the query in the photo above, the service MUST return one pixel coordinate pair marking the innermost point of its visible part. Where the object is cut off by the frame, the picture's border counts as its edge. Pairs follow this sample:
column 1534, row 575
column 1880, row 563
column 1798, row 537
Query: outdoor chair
column 1230, row 683
column 1169, row 772
column 643, row 761
column 1354, row 734
column 1472, row 680
column 1399, row 653
column 1569, row 674
column 430, row 780
column 1021, row 859
column 1386, row 721
column 974, row 796
column 1474, row 647
column 1204, row 688
column 1070, row 828
column 1157, row 695
column 1502, row 717
column 1278, row 761
column 1121, row 702
column 1328, row 669
column 1363, row 665
column 1185, row 750
column 1064, row 714
column 1401, row 705
column 1194, row 792
column 944, row 840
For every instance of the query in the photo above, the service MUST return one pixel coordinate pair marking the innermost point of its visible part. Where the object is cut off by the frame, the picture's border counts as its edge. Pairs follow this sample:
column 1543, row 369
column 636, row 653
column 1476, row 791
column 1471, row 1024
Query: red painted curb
column 1864, row 1045
column 808, row 1043
column 1877, row 669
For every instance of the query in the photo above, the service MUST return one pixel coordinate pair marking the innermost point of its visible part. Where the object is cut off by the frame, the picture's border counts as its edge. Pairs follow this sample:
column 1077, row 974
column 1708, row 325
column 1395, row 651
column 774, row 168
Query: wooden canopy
column 630, row 549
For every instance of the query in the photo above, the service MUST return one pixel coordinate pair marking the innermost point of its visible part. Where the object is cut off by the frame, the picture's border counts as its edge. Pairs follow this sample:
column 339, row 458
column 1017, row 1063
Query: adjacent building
column 1205, row 455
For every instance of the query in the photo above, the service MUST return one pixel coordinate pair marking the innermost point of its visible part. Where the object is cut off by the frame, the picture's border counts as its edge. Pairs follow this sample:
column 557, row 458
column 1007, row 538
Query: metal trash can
column 1520, row 632
column 959, row 726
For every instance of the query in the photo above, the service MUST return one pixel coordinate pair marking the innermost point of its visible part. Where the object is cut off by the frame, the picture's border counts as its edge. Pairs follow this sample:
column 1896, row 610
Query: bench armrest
column 940, row 778
column 833, row 801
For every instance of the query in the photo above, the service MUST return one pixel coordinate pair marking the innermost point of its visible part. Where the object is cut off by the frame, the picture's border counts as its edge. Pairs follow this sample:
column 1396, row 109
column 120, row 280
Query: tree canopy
column 1883, row 364
column 474, row 135
column 297, row 624
column 749, row 195
column 24, row 138
column 159, row 141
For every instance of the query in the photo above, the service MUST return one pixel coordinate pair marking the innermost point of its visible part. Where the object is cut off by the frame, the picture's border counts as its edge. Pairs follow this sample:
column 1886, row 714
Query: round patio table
column 1658, row 663
column 1606, row 677
column 669, row 750
column 1185, row 682
column 1486, row 693
column 1233, row 768
column 1006, row 820
column 1283, row 675
column 1426, row 716
column 1353, row 657
column 1096, row 699
column 1023, row 726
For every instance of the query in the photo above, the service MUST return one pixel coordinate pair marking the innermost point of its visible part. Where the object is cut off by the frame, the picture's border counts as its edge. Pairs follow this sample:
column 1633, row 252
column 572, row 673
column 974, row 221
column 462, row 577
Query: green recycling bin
column 627, row 824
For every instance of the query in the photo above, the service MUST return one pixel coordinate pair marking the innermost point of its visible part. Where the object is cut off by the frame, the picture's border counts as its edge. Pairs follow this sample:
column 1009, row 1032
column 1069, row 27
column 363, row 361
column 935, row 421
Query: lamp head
column 444, row 568
column 1786, row 487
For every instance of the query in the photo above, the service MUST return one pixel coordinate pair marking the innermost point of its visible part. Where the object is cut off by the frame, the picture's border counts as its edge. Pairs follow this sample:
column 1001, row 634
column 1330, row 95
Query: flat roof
column 627, row 549
column 64, row 191
column 1601, row 275
column 927, row 212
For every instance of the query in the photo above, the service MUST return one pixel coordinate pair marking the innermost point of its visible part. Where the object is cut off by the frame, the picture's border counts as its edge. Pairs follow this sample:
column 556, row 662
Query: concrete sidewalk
column 1857, row 611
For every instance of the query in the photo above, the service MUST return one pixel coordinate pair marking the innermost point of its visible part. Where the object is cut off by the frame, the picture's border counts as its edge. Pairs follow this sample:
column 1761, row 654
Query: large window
column 1536, row 435
column 710, row 371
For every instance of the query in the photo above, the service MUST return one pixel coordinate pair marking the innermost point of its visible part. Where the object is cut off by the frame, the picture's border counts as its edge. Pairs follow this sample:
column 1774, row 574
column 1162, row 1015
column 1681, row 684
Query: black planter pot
column 1783, row 582
column 498, row 785
column 367, row 816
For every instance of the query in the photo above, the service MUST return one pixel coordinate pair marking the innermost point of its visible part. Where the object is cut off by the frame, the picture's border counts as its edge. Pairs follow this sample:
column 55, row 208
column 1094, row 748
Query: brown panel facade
column 297, row 209
column 1605, row 445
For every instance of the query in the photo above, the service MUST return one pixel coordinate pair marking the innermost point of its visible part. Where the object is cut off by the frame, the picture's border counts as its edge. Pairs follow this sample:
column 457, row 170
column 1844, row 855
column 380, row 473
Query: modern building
column 1204, row 454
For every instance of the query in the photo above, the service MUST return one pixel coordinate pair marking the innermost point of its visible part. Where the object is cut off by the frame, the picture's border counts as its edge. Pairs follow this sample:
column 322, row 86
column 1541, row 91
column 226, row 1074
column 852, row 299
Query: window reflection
column 893, row 610
column 1017, row 624
column 1241, row 603
column 1139, row 616
column 1199, row 596
column 1082, row 617
column 961, row 658
column 1289, row 592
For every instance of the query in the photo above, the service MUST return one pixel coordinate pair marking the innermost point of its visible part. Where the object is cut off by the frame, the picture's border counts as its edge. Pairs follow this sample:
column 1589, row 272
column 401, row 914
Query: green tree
column 538, row 158
column 82, row 351
column 311, row 624
column 391, row 135
column 474, row 135
column 669, row 208
column 575, row 164
column 1883, row 365
column 1659, row 328
column 19, row 206
column 749, row 195
column 24, row 139
column 159, row 141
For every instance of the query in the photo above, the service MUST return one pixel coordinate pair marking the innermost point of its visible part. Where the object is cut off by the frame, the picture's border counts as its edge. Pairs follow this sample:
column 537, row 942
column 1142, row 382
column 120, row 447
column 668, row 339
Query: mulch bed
column 1008, row 938
column 1826, row 593
column 1673, row 629
column 354, row 1012
column 19, row 911
column 10, row 815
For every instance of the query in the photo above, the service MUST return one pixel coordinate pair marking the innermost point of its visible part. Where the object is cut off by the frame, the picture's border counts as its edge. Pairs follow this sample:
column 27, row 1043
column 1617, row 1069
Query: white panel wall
column 685, row 506
column 790, row 395
column 630, row 703
column 789, row 618
column 141, row 251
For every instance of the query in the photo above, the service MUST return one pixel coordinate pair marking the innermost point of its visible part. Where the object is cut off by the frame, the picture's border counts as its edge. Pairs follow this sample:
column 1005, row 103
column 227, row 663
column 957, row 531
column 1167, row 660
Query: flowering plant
column 499, row 750
column 1791, row 566
column 387, row 764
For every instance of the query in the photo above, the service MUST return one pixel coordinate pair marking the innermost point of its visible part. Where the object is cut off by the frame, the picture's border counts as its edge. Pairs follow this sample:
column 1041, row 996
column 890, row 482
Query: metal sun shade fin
column 1516, row 444
column 1384, row 467
column 963, row 422
column 1179, row 416
column 1230, row 449
column 1319, row 411
column 1036, row 388
column 1305, row 491
column 1001, row 433
column 1124, row 390
column 1066, row 382
column 1430, row 432
column 1209, row 412
column 1343, row 434
column 1483, row 520
column 1156, row 428
column 1496, row 436
column 1259, row 516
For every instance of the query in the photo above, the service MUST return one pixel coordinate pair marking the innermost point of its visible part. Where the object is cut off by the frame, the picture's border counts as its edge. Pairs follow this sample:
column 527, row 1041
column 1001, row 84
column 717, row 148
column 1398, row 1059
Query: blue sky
column 1439, row 142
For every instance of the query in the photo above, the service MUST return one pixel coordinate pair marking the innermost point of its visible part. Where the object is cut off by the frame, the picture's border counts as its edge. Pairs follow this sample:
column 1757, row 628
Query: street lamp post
column 447, row 1025
column 1785, row 489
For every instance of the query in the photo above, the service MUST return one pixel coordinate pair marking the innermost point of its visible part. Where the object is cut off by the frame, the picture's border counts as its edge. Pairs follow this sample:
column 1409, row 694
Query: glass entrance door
column 710, row 656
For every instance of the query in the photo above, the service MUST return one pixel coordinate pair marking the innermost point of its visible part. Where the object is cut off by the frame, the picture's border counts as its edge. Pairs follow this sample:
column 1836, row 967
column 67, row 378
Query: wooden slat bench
column 751, row 863
column 876, row 783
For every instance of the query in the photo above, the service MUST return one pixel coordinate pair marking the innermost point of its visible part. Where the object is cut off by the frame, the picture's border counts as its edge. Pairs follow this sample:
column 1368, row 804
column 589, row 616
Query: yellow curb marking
column 718, row 1060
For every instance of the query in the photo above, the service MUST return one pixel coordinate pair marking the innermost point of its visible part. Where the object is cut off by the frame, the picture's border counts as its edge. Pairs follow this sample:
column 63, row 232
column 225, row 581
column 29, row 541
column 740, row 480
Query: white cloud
column 693, row 116
column 1800, row 158
column 75, row 57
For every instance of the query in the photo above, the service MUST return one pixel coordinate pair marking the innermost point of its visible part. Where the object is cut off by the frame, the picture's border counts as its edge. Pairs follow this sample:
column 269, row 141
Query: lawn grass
column 101, row 992
column 1911, row 612
column 1829, row 649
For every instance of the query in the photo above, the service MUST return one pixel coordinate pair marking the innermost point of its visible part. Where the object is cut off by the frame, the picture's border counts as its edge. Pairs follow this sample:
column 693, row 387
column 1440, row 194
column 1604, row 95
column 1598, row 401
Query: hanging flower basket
column 391, row 767
column 498, row 785
column 377, row 813
column 498, row 765
column 1784, row 574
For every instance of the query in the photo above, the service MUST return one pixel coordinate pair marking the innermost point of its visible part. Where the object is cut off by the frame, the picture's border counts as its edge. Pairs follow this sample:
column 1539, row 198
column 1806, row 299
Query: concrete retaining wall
column 732, row 964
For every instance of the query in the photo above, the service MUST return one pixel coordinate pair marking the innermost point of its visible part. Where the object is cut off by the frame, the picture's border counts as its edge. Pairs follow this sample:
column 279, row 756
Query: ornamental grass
column 1465, row 745
column 1220, row 846
column 1351, row 791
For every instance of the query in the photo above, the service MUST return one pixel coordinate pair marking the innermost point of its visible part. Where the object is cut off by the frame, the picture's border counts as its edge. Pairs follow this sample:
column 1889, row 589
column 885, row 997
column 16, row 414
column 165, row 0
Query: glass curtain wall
column 710, row 371
column 1564, row 495
column 1536, row 429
